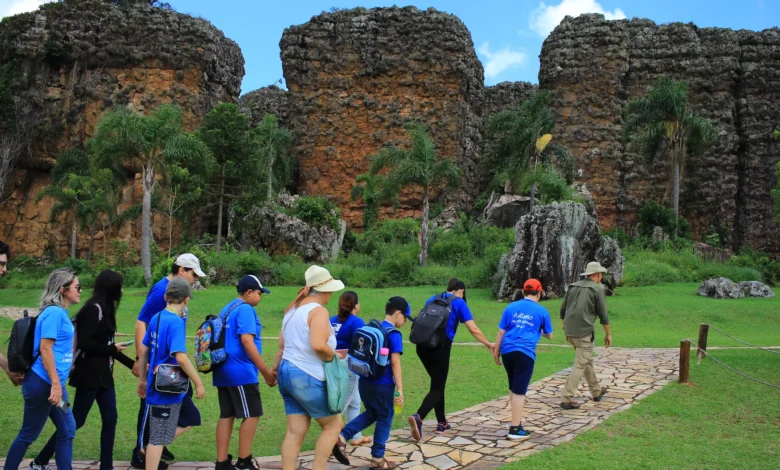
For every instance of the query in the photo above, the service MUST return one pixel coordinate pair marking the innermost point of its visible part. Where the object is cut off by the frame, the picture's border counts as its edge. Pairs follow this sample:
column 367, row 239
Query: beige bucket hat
column 319, row 278
column 593, row 268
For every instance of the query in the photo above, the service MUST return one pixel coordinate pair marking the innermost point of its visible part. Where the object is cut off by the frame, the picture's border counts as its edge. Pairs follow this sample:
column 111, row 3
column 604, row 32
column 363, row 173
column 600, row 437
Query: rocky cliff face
column 74, row 61
column 356, row 76
column 593, row 67
column 271, row 100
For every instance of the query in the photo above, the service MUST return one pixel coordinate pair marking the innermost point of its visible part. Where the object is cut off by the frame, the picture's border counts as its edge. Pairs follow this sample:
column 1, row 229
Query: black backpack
column 429, row 329
column 20, row 344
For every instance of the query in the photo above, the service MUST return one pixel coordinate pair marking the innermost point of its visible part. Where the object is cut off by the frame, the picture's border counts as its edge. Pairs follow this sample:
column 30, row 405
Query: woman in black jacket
column 92, row 373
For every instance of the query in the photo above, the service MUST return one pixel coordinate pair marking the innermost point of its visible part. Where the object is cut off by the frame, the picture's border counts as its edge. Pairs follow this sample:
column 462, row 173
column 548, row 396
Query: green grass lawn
column 721, row 422
column 655, row 316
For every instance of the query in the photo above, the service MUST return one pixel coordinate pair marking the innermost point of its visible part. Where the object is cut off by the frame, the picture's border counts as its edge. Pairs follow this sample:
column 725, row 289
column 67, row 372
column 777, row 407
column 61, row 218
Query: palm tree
column 522, row 143
column 419, row 167
column 272, row 143
column 662, row 120
column 124, row 136
column 369, row 188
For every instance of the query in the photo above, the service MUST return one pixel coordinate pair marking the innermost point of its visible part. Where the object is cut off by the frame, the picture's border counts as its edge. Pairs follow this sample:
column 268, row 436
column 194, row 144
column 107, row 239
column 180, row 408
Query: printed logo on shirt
column 521, row 319
column 336, row 327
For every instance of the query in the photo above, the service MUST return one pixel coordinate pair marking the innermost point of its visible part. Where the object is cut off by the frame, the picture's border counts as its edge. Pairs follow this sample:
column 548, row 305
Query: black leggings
column 437, row 363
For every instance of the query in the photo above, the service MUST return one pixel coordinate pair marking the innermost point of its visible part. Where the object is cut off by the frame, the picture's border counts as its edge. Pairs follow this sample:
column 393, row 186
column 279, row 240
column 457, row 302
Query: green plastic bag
column 336, row 383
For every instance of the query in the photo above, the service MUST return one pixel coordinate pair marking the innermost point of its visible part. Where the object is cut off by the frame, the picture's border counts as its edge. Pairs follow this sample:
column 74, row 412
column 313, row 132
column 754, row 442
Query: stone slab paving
column 478, row 439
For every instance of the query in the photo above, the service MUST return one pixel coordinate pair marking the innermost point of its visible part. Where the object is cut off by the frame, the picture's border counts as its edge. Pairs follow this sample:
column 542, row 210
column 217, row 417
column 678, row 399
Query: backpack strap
column 232, row 307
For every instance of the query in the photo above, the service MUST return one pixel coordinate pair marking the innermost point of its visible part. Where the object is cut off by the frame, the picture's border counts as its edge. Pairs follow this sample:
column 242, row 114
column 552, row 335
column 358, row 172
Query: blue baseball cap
column 251, row 282
column 400, row 304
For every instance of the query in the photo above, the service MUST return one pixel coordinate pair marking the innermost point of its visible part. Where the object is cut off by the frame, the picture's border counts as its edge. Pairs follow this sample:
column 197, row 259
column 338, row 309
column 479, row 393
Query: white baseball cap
column 188, row 260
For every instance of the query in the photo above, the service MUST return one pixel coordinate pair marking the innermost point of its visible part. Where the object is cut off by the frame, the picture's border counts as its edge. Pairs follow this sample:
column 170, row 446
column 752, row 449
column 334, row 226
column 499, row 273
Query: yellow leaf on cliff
column 542, row 142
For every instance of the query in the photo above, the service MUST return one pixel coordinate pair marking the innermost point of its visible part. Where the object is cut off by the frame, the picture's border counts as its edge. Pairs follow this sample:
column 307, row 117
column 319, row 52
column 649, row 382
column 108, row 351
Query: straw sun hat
column 593, row 268
column 319, row 278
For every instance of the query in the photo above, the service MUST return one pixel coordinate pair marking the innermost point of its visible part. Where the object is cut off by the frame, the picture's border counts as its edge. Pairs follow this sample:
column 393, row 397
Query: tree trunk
column 146, row 224
column 230, row 214
column 270, row 193
column 532, row 202
column 219, row 215
column 91, row 241
column 105, row 235
column 676, row 189
column 170, row 228
column 74, row 236
column 425, row 214
column 508, row 187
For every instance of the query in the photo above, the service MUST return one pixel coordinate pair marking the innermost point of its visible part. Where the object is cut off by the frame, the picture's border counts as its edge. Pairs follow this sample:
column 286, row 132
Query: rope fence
column 701, row 352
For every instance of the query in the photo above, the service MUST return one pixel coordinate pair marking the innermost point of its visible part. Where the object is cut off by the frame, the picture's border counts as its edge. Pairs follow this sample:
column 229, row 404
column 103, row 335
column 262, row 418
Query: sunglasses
column 77, row 286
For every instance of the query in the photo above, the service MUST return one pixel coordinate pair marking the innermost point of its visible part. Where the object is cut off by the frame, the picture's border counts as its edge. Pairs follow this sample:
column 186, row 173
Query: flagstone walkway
column 478, row 439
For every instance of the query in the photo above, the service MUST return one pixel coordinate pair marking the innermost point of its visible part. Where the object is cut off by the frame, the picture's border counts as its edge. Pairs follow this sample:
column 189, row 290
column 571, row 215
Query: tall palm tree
column 272, row 142
column 661, row 121
column 369, row 188
column 523, row 142
column 419, row 167
column 123, row 136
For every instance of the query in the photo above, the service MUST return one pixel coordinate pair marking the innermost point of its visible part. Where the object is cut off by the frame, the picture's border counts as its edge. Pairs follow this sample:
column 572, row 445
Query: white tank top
column 297, row 345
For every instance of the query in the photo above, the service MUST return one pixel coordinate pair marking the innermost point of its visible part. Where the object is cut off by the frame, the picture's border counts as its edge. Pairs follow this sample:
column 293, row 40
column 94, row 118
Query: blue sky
column 507, row 34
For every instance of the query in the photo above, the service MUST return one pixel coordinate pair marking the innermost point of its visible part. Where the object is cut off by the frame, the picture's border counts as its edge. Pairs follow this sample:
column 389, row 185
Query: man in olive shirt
column 584, row 301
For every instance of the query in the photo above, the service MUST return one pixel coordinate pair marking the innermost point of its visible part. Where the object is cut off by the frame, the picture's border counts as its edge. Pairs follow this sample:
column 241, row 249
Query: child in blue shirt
column 520, row 328
column 378, row 392
column 236, row 379
column 165, row 344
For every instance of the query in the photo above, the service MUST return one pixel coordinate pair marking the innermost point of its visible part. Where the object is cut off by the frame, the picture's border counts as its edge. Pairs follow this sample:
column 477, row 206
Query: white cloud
column 498, row 61
column 546, row 17
column 14, row 7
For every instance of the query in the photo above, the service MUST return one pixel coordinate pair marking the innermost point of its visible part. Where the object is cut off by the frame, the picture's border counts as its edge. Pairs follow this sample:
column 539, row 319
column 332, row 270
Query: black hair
column 175, row 269
column 5, row 249
column 528, row 293
column 107, row 294
column 456, row 284
column 347, row 303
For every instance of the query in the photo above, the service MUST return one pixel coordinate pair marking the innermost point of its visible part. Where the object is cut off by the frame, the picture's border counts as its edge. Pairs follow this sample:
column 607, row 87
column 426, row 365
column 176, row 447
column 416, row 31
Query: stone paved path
column 478, row 439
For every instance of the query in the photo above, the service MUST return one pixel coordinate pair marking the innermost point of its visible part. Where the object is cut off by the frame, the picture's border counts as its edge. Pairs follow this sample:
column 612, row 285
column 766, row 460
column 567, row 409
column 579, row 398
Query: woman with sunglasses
column 93, row 367
column 45, row 397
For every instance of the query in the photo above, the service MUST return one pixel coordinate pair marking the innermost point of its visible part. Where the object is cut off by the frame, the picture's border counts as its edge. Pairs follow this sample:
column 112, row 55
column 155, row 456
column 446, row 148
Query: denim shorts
column 302, row 393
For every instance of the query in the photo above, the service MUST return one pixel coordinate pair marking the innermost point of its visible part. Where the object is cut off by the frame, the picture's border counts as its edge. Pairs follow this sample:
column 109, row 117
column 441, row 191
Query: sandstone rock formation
column 553, row 244
column 270, row 99
column 74, row 61
column 356, row 76
column 593, row 67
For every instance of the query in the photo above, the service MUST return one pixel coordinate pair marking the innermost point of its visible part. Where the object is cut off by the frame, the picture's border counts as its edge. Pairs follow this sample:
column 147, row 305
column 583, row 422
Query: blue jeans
column 353, row 401
column 302, row 393
column 37, row 409
column 378, row 400
column 82, row 403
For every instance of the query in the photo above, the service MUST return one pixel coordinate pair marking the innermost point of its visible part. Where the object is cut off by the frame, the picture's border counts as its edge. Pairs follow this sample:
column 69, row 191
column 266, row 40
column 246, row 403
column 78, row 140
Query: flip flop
column 362, row 441
column 382, row 464
column 340, row 451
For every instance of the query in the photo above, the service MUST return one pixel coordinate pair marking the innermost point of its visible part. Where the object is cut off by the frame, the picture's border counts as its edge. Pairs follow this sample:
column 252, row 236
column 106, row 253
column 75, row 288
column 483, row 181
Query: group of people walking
column 309, row 342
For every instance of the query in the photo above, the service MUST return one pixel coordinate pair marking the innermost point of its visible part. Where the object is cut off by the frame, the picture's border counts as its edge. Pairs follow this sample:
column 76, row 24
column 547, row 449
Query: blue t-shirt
column 396, row 345
column 523, row 322
column 239, row 368
column 171, row 340
column 345, row 329
column 460, row 313
column 54, row 323
column 155, row 301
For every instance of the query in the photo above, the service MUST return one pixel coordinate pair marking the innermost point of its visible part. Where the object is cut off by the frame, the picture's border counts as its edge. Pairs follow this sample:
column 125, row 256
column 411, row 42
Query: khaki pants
column 583, row 365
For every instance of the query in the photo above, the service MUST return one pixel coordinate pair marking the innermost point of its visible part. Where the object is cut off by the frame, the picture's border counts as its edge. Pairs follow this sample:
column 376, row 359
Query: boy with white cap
column 187, row 267
column 236, row 379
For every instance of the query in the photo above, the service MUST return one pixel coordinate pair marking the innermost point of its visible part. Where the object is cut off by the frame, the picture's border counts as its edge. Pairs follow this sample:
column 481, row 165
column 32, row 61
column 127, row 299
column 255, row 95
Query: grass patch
column 721, row 422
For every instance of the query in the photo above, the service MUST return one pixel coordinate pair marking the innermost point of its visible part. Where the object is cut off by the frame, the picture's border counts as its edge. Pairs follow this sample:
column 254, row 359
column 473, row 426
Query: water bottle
column 383, row 357
column 396, row 407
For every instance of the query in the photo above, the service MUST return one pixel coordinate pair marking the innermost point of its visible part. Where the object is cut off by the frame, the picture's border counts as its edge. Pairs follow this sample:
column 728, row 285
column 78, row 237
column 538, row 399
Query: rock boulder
column 720, row 288
column 553, row 244
column 756, row 289
column 505, row 210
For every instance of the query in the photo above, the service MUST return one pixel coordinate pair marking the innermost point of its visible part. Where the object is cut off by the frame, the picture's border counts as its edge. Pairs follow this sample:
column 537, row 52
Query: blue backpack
column 363, row 357
column 210, row 350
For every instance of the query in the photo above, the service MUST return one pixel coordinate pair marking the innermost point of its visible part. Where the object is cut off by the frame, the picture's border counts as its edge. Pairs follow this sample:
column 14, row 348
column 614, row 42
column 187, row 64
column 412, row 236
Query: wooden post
column 703, row 330
column 685, row 360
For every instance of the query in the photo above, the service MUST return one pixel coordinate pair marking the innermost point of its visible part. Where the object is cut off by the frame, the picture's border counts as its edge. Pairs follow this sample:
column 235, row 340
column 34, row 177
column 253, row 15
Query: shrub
column 81, row 266
column 652, row 214
column 316, row 211
column 453, row 250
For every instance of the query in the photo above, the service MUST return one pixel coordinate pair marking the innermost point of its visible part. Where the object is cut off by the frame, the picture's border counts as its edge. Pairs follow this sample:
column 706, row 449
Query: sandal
column 340, row 450
column 362, row 441
column 382, row 464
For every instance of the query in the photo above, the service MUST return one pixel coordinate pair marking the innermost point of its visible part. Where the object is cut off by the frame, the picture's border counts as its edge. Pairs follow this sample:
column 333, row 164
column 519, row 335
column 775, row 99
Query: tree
column 662, row 121
column 225, row 131
column 271, row 143
column 522, row 139
column 369, row 188
column 776, row 193
column 144, row 142
column 417, row 168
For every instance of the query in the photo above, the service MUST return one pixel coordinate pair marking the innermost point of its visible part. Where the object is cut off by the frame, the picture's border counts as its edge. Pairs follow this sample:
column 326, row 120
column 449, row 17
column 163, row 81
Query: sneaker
column 247, row 463
column 517, row 432
column 416, row 424
column 569, row 405
column 167, row 456
column 441, row 428
column 226, row 464
column 139, row 463
column 601, row 395
column 36, row 466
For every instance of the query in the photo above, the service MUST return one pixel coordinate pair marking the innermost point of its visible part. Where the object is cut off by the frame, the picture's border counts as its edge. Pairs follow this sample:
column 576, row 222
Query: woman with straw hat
column 306, row 343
